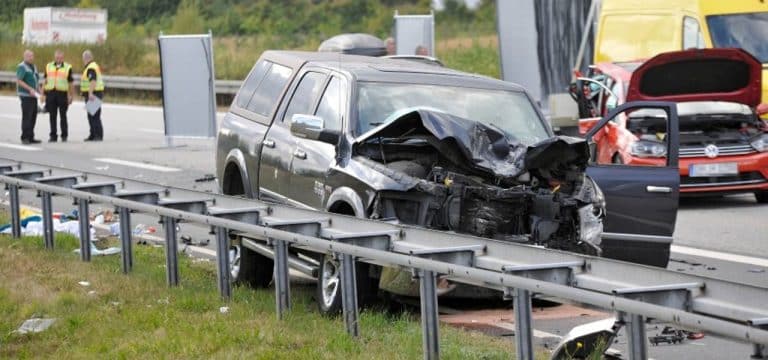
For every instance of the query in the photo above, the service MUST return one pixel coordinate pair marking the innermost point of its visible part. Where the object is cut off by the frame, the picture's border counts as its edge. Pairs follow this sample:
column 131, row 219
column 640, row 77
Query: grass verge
column 134, row 316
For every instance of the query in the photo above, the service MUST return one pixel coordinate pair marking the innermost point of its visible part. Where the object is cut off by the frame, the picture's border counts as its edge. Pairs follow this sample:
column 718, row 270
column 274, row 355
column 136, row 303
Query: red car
column 723, row 141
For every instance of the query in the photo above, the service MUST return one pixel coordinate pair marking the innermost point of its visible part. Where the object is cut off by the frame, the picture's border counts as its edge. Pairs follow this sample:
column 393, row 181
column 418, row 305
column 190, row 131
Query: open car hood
column 478, row 147
column 698, row 75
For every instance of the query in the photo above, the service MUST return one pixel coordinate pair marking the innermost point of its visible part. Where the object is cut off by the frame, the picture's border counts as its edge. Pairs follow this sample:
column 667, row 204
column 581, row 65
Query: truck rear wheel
column 761, row 197
column 249, row 268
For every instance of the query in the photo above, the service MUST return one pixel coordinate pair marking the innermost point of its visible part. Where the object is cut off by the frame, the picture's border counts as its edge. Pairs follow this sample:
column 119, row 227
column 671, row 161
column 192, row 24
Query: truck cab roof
column 376, row 69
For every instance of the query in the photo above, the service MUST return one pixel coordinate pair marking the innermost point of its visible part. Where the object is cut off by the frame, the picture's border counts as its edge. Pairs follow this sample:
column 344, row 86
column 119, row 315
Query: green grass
column 138, row 316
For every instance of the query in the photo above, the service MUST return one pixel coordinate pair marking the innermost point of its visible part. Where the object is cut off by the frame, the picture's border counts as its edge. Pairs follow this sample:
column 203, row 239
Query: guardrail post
column 125, row 239
column 429, row 316
column 13, row 189
column 171, row 251
column 758, row 351
column 349, row 294
column 47, row 219
column 523, row 324
column 222, row 261
column 636, row 337
column 282, row 288
column 85, row 229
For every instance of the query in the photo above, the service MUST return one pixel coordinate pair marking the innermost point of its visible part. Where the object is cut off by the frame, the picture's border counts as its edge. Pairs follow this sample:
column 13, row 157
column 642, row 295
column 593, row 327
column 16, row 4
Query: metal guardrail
column 227, row 87
column 734, row 310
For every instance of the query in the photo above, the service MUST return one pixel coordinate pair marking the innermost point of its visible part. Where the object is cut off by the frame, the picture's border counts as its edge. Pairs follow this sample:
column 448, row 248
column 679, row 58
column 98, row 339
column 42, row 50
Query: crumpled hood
column 698, row 75
column 481, row 147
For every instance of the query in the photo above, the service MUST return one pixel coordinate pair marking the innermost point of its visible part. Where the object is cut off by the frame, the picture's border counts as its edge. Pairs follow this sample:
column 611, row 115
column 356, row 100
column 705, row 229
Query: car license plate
column 714, row 169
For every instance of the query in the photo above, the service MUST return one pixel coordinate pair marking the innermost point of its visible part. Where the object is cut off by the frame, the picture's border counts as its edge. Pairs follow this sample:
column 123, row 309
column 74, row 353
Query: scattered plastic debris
column 92, row 293
column 163, row 301
column 115, row 303
column 34, row 325
column 84, row 283
column 186, row 239
column 756, row 270
column 224, row 309
column 98, row 252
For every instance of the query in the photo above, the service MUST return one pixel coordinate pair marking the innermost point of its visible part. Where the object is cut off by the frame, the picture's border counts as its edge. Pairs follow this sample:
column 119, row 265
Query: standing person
column 27, row 87
column 58, row 91
column 92, row 87
column 390, row 44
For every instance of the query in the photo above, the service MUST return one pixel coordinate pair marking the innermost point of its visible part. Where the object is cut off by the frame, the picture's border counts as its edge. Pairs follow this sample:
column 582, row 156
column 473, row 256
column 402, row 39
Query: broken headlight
column 590, row 225
column 645, row 148
column 760, row 143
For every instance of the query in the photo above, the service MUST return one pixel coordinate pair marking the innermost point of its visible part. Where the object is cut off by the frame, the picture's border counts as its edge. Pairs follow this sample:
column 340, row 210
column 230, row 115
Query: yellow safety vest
column 56, row 77
column 85, row 84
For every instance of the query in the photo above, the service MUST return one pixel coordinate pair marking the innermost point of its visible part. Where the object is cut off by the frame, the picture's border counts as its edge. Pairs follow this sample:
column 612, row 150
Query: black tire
column 761, row 197
column 255, row 269
column 329, row 299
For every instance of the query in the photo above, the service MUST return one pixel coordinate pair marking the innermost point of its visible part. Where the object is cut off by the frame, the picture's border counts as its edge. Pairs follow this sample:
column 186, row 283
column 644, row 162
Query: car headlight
column 760, row 143
column 590, row 226
column 644, row 148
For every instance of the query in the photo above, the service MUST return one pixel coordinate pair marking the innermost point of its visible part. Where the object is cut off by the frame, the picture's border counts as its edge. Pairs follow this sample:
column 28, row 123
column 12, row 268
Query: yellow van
column 639, row 29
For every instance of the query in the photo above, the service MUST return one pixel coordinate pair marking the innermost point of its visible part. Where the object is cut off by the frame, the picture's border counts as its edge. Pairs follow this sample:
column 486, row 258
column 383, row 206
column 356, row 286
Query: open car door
column 641, row 199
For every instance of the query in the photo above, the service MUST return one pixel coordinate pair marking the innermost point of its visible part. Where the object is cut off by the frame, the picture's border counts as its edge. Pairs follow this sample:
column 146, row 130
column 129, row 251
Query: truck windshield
column 509, row 111
column 748, row 31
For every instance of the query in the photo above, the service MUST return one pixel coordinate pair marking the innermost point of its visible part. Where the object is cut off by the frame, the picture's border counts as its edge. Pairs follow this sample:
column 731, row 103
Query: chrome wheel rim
column 234, row 262
column 329, row 280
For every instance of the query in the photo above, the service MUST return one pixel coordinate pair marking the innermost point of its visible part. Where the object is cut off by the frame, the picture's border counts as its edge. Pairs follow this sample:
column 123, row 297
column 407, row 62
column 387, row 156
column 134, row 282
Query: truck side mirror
column 312, row 127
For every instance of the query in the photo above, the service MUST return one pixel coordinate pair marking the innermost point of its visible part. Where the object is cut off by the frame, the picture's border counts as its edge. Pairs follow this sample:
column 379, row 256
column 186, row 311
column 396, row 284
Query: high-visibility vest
column 56, row 77
column 85, row 84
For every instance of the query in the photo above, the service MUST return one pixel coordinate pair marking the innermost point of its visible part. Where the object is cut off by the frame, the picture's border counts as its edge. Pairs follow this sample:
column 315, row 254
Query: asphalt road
column 724, row 237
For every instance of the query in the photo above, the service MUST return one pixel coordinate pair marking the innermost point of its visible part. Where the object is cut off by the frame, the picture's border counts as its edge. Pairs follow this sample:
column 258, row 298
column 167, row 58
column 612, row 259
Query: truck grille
column 698, row 151
column 747, row 178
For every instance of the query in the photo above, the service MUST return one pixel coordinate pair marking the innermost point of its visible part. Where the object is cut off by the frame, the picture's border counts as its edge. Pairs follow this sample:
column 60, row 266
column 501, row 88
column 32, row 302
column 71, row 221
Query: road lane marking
column 139, row 165
column 720, row 255
column 20, row 147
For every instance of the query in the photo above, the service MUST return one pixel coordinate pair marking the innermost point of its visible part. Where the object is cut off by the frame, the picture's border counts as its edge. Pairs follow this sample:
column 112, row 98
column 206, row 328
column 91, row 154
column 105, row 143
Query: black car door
column 279, row 149
column 641, row 200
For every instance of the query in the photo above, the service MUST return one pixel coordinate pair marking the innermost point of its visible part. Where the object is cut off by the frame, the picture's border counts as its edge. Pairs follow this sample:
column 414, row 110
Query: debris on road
column 34, row 325
column 206, row 177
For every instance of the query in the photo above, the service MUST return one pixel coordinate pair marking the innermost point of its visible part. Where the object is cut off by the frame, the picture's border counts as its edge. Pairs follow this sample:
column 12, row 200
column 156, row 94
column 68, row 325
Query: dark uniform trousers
column 57, row 102
column 94, row 121
column 28, row 117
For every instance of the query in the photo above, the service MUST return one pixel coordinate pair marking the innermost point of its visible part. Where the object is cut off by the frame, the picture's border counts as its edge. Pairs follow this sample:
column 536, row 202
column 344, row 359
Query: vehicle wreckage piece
column 469, row 177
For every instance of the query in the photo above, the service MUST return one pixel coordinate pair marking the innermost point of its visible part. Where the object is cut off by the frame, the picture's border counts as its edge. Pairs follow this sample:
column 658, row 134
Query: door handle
column 301, row 154
column 658, row 189
column 269, row 143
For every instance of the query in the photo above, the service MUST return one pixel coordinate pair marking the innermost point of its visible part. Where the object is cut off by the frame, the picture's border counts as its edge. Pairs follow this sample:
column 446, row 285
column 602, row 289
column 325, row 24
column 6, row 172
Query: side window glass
column 643, row 142
column 305, row 94
column 331, row 108
column 251, row 83
column 266, row 95
column 692, row 37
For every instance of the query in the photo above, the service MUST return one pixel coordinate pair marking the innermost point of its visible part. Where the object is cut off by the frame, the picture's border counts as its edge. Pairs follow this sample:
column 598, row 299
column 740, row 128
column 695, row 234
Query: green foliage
column 187, row 19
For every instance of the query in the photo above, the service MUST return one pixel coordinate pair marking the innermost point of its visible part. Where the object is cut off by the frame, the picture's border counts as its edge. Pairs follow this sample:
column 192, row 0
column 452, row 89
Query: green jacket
column 28, row 74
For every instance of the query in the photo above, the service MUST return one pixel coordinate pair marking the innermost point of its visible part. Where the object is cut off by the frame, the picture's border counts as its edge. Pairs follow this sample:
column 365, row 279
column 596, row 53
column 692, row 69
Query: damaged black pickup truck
column 421, row 145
